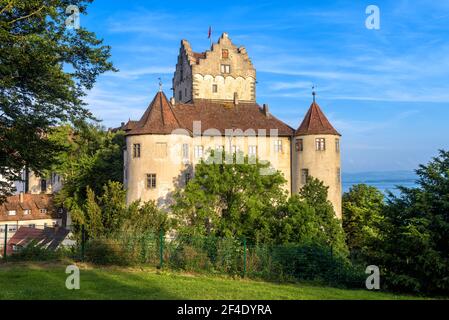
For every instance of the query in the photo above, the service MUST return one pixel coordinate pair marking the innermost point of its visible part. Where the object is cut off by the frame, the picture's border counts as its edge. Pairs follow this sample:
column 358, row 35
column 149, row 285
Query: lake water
column 384, row 181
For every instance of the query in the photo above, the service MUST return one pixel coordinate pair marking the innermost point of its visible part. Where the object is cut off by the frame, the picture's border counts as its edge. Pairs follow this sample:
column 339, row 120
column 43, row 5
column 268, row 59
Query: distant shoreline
column 386, row 180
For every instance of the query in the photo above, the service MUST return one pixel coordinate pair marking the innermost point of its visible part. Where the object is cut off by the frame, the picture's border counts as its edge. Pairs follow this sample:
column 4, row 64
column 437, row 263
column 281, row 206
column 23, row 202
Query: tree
column 91, row 157
column 314, row 193
column 45, row 71
column 362, row 212
column 146, row 217
column 230, row 199
column 414, row 248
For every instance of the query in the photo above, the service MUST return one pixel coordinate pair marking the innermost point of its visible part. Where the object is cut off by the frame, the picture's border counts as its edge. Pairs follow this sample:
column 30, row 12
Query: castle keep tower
column 223, row 73
column 317, row 154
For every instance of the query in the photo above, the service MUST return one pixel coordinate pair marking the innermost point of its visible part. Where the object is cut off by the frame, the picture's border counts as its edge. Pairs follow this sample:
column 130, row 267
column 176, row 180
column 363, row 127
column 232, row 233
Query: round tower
column 317, row 154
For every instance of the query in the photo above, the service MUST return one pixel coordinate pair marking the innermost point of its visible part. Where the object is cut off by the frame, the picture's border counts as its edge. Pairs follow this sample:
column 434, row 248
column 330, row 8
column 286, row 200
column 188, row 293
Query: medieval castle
column 214, row 107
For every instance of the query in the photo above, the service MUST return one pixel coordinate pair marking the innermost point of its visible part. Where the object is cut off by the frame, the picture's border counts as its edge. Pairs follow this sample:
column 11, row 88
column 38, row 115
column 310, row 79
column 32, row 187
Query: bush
column 109, row 252
column 35, row 252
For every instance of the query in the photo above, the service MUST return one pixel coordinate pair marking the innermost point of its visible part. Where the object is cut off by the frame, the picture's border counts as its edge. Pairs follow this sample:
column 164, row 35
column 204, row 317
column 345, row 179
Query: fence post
column 161, row 249
column 6, row 242
column 83, row 242
column 244, row 257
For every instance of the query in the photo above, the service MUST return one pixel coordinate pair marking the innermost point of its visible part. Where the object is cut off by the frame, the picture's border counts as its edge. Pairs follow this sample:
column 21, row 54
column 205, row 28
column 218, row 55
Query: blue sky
column 386, row 91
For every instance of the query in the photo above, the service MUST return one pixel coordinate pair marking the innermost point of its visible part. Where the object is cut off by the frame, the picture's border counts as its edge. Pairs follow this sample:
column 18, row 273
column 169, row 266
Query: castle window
column 187, row 177
column 199, row 151
column 12, row 212
column 43, row 211
column 180, row 95
column 304, row 176
column 32, row 226
column 278, row 146
column 181, row 73
column 300, row 145
column 185, row 151
column 136, row 150
column 43, row 185
column 320, row 144
column 338, row 175
column 337, row 145
column 214, row 88
column 235, row 149
column 151, row 181
column 225, row 68
column 225, row 53
column 252, row 151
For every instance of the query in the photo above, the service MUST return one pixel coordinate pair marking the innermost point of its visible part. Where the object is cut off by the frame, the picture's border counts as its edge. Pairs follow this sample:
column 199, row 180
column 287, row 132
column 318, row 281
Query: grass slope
column 39, row 281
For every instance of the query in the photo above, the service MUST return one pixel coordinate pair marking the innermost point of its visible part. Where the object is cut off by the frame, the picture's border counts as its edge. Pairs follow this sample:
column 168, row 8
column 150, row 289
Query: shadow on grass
column 21, row 283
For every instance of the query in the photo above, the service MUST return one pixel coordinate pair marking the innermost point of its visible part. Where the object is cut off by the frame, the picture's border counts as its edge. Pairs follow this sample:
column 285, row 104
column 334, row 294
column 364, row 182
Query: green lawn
column 47, row 281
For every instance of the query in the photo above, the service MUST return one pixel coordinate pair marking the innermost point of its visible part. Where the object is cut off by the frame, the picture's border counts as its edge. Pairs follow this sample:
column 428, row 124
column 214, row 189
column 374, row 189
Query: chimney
column 266, row 110
column 236, row 98
column 21, row 197
column 172, row 101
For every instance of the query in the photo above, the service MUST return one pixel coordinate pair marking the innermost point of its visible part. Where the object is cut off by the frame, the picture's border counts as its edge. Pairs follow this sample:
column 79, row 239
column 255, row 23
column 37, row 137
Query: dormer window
column 12, row 212
column 26, row 212
column 43, row 211
column 225, row 68
column 225, row 54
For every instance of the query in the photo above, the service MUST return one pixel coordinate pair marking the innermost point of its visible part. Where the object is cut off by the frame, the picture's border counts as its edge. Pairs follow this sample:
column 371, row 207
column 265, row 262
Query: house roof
column 315, row 122
column 32, row 202
column 49, row 238
column 163, row 118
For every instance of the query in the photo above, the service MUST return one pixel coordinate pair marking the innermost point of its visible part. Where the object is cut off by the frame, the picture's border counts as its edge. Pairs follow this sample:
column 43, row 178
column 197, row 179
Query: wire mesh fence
column 236, row 257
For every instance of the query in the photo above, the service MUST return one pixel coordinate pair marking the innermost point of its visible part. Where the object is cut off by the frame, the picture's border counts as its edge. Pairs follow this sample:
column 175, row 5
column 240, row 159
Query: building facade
column 214, row 107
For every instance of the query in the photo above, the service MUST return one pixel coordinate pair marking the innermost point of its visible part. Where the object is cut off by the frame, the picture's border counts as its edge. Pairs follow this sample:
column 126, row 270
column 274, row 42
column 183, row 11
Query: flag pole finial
column 160, row 84
column 314, row 93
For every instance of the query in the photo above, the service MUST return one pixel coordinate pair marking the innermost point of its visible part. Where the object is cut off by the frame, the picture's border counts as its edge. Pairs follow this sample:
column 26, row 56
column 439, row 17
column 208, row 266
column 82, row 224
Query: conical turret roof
column 159, row 118
column 315, row 122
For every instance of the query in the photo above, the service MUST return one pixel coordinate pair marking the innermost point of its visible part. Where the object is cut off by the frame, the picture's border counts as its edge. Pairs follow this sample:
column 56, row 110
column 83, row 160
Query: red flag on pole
column 210, row 32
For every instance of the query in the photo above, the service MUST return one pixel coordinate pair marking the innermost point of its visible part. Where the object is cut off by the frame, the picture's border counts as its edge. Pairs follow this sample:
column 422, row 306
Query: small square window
column 12, row 212
column 185, row 151
column 151, row 181
column 187, row 178
column 136, row 150
column 43, row 211
column 225, row 54
column 304, row 176
column 320, row 144
column 26, row 212
column 278, row 146
column 214, row 88
column 225, row 68
column 300, row 145
column 252, row 151
column 199, row 151
column 338, row 175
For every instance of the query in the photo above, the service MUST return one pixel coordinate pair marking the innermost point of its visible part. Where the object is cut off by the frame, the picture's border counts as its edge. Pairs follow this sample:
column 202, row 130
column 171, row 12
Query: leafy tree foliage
column 363, row 208
column 146, row 217
column 230, row 199
column 91, row 157
column 414, row 248
column 45, row 71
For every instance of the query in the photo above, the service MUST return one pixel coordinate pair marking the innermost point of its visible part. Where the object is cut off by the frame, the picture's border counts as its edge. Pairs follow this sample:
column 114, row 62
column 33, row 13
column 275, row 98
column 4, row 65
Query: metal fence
column 236, row 257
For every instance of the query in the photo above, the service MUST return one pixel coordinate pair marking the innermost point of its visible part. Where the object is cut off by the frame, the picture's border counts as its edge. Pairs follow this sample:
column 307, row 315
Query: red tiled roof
column 49, row 238
column 315, row 122
column 158, row 118
column 162, row 118
column 32, row 202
